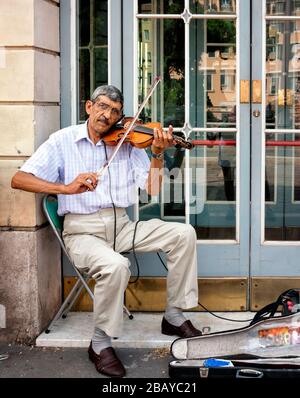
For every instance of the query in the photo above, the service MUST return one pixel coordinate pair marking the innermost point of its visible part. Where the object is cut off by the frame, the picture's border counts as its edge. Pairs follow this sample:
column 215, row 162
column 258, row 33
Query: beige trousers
column 89, row 241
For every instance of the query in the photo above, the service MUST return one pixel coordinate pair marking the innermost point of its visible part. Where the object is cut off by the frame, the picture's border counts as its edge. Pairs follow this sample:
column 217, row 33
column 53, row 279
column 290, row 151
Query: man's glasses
column 103, row 107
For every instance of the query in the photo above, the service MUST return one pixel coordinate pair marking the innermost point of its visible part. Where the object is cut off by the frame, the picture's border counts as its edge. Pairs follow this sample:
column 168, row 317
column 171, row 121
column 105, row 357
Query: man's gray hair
column 112, row 92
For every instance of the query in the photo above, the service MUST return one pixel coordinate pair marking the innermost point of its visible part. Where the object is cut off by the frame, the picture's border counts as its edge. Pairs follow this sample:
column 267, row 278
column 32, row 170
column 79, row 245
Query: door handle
column 256, row 92
column 245, row 91
column 256, row 113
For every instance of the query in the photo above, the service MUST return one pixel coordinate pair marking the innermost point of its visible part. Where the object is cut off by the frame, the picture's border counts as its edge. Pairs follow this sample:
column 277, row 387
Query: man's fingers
column 163, row 139
column 170, row 134
column 88, row 179
column 156, row 137
column 87, row 184
column 92, row 177
column 160, row 135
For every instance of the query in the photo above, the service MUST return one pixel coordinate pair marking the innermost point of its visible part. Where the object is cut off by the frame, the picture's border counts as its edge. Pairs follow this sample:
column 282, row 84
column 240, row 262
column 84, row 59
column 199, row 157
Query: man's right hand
column 83, row 182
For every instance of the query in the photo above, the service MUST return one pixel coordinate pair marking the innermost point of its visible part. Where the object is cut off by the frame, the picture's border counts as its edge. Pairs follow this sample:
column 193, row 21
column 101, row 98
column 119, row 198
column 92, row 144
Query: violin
column 140, row 136
column 136, row 133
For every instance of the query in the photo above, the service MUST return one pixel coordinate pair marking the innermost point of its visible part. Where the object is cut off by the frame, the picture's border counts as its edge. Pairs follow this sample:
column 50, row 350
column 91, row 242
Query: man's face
column 103, row 114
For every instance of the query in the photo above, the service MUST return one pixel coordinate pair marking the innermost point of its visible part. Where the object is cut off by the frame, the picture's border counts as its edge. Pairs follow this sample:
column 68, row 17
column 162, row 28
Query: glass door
column 275, row 140
column 201, row 49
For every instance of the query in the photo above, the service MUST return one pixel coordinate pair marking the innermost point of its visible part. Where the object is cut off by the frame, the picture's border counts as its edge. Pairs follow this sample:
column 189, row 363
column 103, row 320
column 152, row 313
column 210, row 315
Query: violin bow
column 130, row 127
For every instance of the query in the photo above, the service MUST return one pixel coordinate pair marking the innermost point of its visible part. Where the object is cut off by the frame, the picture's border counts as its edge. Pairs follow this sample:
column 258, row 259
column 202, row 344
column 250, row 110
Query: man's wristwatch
column 158, row 156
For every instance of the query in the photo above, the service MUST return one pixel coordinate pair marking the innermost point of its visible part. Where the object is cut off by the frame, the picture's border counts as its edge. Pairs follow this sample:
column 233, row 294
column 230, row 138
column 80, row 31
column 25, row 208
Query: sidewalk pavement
column 144, row 351
column 49, row 362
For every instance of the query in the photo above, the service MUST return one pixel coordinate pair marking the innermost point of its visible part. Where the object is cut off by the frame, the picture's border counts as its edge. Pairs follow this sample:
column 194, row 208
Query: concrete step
column 143, row 331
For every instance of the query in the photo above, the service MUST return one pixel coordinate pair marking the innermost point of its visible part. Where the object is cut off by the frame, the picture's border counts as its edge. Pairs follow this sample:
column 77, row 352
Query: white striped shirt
column 70, row 151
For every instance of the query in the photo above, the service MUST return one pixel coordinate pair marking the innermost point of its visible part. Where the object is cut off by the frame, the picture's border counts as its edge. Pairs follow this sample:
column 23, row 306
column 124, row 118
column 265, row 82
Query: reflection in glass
column 213, row 186
column 84, row 81
column 92, row 49
column 282, row 207
column 100, row 23
column 160, row 7
column 213, row 73
column 173, row 187
column 84, row 22
column 283, row 74
column 167, row 103
column 169, row 205
column 282, row 182
column 100, row 58
column 270, row 170
column 213, row 6
column 283, row 7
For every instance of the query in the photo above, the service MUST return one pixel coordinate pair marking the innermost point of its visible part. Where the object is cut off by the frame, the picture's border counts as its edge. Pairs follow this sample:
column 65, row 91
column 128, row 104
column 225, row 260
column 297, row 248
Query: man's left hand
column 162, row 140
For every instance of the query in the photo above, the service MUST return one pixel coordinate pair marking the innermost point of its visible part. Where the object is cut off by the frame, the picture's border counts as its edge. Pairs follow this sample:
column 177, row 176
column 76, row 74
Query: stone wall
column 30, row 278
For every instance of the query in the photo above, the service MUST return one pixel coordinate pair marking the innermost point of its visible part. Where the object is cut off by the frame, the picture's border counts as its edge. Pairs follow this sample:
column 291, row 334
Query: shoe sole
column 170, row 334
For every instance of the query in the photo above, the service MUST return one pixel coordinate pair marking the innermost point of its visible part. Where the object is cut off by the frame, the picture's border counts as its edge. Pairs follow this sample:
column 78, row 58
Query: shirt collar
column 82, row 134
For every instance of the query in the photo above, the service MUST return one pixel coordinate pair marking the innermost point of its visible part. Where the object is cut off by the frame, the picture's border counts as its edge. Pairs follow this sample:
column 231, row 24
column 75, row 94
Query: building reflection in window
column 93, row 49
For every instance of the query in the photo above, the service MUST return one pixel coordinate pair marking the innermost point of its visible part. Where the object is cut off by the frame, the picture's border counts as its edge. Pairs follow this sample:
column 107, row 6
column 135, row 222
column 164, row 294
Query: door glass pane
column 282, row 210
column 283, row 74
column 213, row 185
column 100, row 58
column 283, row 7
column 169, row 205
column 84, row 80
column 100, row 23
column 282, row 187
column 213, row 6
column 211, row 168
column 84, row 22
column 161, row 52
column 213, row 73
column 93, row 52
column 160, row 6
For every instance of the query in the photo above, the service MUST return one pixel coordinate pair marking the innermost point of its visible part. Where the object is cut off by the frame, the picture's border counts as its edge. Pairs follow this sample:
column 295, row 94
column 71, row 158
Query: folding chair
column 50, row 206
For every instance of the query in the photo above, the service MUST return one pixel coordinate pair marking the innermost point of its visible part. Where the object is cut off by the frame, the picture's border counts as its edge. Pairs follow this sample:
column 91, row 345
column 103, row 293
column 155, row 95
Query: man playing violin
column 97, row 228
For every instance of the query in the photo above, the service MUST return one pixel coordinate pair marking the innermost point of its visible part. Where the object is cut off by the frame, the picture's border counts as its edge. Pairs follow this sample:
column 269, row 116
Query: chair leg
column 72, row 297
column 84, row 284
column 72, row 301
column 84, row 281
column 129, row 314
column 65, row 304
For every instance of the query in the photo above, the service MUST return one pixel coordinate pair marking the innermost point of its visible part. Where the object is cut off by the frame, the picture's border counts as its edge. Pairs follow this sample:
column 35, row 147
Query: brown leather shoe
column 185, row 330
column 107, row 362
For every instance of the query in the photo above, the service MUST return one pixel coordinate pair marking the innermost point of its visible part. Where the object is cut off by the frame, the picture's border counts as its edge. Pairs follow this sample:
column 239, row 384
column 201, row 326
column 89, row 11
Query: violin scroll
column 180, row 142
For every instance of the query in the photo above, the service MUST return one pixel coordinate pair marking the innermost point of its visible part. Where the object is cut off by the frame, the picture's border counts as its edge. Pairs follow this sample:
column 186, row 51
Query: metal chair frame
column 82, row 281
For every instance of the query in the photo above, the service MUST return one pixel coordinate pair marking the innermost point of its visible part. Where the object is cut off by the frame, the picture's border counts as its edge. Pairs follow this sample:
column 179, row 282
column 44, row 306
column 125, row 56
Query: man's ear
column 88, row 106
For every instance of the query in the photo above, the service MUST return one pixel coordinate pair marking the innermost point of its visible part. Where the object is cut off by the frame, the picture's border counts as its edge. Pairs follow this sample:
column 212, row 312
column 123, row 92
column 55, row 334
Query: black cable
column 201, row 305
column 134, row 254
column 221, row 317
column 111, row 198
column 115, row 224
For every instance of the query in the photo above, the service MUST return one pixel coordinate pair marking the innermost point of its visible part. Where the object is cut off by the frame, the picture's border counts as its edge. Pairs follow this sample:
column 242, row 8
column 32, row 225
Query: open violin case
column 268, row 348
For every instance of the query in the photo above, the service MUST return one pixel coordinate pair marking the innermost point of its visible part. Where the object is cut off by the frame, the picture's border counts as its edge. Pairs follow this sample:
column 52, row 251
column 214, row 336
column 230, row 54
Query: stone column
column 30, row 278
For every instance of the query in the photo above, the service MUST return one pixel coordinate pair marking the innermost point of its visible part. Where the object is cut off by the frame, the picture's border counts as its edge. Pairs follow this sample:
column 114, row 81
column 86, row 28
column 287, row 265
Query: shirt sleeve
column 140, row 164
column 45, row 162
